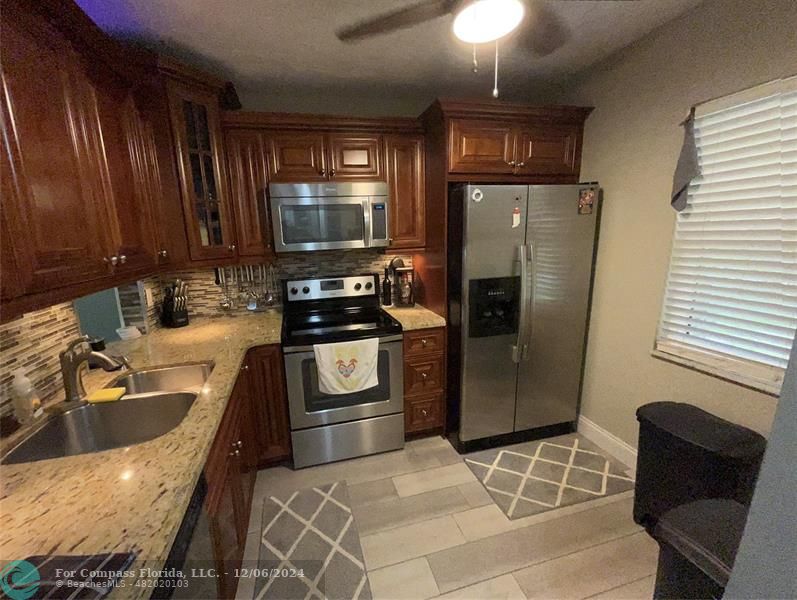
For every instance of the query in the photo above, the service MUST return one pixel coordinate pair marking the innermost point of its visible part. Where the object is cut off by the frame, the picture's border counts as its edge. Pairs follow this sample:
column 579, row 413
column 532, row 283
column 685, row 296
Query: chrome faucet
column 77, row 352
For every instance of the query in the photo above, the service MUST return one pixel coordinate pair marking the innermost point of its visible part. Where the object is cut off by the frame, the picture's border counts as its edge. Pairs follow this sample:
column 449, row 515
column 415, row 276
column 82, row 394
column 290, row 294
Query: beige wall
column 631, row 146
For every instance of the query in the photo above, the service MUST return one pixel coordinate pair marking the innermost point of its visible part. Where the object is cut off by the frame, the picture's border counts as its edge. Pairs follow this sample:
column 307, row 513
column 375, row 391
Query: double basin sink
column 155, row 402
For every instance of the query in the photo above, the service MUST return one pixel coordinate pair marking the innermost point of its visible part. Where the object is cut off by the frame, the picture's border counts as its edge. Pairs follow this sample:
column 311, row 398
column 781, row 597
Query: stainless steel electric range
column 325, row 427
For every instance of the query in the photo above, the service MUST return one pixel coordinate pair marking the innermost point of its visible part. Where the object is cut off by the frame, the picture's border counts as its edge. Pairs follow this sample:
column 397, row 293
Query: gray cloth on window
column 687, row 167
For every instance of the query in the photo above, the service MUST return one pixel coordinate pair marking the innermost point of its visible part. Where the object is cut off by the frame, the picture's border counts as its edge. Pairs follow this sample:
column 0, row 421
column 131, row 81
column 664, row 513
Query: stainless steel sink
column 156, row 401
column 95, row 427
column 164, row 379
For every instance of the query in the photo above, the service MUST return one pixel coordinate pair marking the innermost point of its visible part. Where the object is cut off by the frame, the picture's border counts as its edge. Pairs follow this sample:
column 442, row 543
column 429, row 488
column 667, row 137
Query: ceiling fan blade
column 543, row 31
column 398, row 19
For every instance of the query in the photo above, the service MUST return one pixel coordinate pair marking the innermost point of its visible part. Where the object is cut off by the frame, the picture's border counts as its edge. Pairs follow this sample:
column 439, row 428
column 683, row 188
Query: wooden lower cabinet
column 254, row 431
column 223, row 516
column 269, row 404
column 424, row 380
column 423, row 411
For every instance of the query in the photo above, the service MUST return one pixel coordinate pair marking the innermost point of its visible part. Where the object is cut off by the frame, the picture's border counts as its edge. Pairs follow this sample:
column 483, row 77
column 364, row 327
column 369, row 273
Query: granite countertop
column 134, row 498
column 131, row 498
column 416, row 317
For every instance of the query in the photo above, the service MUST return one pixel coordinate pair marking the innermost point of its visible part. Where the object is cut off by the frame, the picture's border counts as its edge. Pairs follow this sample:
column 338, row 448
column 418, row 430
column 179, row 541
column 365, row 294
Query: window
column 730, row 305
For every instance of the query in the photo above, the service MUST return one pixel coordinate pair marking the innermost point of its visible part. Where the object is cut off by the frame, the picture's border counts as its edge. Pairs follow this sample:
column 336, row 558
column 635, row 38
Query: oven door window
column 313, row 223
column 316, row 401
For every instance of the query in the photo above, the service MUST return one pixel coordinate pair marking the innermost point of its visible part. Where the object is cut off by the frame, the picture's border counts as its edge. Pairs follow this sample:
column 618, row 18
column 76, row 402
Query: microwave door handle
column 367, row 233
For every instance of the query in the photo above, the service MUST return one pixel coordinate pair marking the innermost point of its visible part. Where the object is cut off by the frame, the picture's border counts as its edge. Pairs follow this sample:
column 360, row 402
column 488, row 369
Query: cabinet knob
column 511, row 163
column 322, row 172
column 235, row 453
column 424, row 375
column 423, row 342
column 122, row 258
column 231, row 247
column 521, row 164
column 245, row 368
column 424, row 413
column 163, row 253
column 114, row 260
column 332, row 172
column 239, row 444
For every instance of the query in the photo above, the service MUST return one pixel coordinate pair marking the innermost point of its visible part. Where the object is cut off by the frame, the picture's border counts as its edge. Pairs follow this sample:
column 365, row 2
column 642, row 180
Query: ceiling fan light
column 483, row 21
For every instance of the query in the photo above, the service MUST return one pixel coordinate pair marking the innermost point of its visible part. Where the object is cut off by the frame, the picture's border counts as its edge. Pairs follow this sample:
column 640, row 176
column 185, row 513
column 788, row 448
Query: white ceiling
column 283, row 54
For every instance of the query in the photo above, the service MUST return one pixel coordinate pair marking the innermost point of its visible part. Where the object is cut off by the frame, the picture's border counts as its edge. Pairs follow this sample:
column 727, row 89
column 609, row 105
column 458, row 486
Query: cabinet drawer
column 423, row 374
column 423, row 412
column 424, row 341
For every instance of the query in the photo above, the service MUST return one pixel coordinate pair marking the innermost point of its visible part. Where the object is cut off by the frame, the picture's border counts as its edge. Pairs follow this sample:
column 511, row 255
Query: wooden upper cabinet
column 505, row 142
column 549, row 150
column 355, row 157
column 247, row 157
column 481, row 146
column 197, row 137
column 407, row 189
column 10, row 284
column 157, row 173
column 298, row 157
column 58, row 215
column 127, row 178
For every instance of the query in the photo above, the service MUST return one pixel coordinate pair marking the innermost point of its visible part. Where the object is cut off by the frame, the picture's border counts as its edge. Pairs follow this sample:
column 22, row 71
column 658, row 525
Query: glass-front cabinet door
column 197, row 134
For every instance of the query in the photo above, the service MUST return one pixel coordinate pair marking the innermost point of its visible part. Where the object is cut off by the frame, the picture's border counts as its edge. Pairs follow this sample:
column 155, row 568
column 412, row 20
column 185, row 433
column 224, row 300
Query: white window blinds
column 730, row 303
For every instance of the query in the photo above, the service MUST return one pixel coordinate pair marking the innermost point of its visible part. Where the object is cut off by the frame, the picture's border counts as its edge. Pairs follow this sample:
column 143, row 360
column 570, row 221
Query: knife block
column 171, row 316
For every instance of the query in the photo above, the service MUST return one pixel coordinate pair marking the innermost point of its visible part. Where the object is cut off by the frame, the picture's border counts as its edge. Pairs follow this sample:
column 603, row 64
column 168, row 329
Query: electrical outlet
column 148, row 295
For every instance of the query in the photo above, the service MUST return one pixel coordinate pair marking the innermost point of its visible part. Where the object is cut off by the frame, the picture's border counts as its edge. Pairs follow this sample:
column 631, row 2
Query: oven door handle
column 383, row 340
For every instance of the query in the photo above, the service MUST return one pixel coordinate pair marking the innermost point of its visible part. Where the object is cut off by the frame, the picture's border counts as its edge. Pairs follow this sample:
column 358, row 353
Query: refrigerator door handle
column 529, row 302
column 519, row 349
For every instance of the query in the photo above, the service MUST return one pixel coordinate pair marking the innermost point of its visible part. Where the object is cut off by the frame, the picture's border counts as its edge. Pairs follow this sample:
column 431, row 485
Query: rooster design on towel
column 347, row 369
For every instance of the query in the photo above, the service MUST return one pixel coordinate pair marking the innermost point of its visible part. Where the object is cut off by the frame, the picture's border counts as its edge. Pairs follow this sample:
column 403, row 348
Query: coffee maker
column 403, row 283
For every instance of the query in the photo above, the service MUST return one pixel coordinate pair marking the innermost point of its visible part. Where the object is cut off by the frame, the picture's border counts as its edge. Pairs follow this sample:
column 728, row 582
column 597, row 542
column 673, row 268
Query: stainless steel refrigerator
column 520, row 273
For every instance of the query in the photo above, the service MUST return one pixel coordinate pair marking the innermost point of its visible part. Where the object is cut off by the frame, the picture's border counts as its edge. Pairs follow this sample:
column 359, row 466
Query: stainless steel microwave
column 329, row 216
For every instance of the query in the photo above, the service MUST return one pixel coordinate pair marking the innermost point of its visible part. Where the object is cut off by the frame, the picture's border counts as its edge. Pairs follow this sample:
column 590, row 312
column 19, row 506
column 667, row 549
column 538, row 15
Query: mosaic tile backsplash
column 34, row 340
column 205, row 296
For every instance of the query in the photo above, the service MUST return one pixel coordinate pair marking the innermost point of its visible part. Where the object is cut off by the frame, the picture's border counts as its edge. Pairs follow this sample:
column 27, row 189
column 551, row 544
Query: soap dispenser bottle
column 27, row 403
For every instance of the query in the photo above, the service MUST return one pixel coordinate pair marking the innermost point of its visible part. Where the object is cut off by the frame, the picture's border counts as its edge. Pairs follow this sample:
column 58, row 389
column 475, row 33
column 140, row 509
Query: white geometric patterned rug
column 534, row 477
column 311, row 548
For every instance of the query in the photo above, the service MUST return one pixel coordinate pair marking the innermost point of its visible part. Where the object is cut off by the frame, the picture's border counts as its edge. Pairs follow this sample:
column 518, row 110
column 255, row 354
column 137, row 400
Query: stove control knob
column 305, row 290
column 369, row 285
column 358, row 287
column 294, row 291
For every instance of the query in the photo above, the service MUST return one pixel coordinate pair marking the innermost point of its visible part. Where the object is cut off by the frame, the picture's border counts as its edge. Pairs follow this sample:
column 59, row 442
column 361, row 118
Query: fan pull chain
column 495, row 80
column 475, row 67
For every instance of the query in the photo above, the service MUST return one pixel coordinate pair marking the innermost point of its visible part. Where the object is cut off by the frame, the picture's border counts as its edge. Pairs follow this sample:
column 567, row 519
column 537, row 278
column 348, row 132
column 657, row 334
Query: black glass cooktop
column 324, row 327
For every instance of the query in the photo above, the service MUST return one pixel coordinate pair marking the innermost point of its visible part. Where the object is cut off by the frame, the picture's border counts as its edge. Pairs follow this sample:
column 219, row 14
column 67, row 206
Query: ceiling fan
column 540, row 30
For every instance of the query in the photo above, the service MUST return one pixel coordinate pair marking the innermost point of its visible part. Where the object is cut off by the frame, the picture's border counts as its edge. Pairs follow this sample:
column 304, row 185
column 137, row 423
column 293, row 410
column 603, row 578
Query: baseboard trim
column 608, row 441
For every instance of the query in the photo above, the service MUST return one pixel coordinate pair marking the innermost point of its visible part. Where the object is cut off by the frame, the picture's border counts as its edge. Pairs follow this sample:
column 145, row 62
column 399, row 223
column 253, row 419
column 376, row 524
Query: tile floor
column 429, row 530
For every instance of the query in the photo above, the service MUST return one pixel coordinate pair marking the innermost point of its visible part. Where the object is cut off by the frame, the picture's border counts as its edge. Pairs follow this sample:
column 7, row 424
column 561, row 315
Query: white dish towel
column 346, row 367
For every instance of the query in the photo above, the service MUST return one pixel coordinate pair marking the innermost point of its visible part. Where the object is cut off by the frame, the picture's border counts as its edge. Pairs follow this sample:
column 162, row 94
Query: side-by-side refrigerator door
column 494, row 231
column 561, row 240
